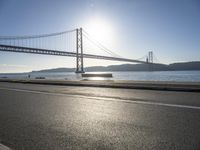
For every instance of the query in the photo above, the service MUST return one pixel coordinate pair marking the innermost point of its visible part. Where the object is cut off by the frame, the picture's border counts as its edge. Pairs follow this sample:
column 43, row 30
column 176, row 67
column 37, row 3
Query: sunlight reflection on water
column 98, row 78
column 190, row 76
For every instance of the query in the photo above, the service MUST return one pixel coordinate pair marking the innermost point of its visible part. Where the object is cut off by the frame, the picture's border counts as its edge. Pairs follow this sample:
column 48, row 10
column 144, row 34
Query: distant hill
column 56, row 70
column 135, row 67
column 185, row 66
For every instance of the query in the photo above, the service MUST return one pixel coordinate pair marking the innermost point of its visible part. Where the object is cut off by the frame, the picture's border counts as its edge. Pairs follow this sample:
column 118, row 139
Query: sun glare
column 100, row 29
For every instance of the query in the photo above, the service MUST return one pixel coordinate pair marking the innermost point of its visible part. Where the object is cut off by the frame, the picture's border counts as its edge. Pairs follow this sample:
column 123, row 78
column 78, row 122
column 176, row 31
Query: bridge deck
column 19, row 49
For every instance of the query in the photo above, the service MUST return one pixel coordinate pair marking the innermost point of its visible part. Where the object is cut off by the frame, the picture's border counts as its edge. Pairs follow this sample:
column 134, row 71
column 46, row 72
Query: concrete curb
column 145, row 85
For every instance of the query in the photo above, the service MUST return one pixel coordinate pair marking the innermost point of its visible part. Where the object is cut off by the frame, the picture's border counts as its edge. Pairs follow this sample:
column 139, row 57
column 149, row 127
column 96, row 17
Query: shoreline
column 125, row 84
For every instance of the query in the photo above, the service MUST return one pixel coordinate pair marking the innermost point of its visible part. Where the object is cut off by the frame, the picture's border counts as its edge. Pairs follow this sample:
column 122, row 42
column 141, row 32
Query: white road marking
column 104, row 98
column 3, row 147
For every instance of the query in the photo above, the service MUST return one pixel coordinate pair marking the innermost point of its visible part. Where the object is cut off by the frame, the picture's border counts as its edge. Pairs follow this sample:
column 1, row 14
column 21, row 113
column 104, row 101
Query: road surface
column 47, row 117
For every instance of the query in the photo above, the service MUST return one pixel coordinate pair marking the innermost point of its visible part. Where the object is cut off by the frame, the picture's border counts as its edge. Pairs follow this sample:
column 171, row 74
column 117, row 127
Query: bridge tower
column 79, row 51
column 150, row 57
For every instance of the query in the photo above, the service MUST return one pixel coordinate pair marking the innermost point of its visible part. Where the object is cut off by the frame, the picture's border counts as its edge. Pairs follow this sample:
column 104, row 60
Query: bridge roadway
column 47, row 117
column 19, row 49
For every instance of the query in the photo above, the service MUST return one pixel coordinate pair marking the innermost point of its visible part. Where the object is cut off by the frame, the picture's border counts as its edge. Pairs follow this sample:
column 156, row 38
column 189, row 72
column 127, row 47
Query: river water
column 182, row 76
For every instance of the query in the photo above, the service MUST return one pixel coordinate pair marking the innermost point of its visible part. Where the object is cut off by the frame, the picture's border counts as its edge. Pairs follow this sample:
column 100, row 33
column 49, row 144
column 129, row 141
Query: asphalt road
column 44, row 117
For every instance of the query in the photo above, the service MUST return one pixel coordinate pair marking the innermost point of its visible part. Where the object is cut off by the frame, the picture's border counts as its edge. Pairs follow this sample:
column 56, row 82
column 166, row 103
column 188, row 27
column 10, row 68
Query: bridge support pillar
column 79, row 51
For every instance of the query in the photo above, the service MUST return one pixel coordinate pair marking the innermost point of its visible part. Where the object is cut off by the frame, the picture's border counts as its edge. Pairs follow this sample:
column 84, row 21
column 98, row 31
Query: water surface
column 182, row 76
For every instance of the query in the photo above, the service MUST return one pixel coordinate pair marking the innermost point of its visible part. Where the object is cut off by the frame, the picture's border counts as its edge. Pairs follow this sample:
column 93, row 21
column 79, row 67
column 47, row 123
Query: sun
column 100, row 30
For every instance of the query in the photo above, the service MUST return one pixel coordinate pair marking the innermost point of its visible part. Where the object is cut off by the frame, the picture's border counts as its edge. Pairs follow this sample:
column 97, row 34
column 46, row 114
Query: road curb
column 148, row 85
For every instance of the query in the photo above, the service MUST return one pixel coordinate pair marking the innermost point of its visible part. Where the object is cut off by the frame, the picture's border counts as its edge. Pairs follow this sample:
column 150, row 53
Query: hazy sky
column 170, row 28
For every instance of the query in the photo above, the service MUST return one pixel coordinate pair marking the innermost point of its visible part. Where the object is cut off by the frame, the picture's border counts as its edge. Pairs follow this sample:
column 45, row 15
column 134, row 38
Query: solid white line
column 104, row 98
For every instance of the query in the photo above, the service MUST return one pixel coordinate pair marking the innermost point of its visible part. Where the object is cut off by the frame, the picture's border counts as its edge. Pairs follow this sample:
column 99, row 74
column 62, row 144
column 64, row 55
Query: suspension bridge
column 68, row 43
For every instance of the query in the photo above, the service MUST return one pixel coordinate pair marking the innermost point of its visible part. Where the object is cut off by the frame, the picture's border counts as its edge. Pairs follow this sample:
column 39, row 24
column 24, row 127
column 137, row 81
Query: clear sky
column 170, row 28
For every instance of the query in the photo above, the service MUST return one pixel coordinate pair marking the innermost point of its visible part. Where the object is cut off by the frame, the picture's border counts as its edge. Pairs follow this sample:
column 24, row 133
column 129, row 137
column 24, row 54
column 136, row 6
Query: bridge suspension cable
column 155, row 58
column 143, row 57
column 34, row 36
column 54, row 41
column 99, row 45
column 102, row 47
